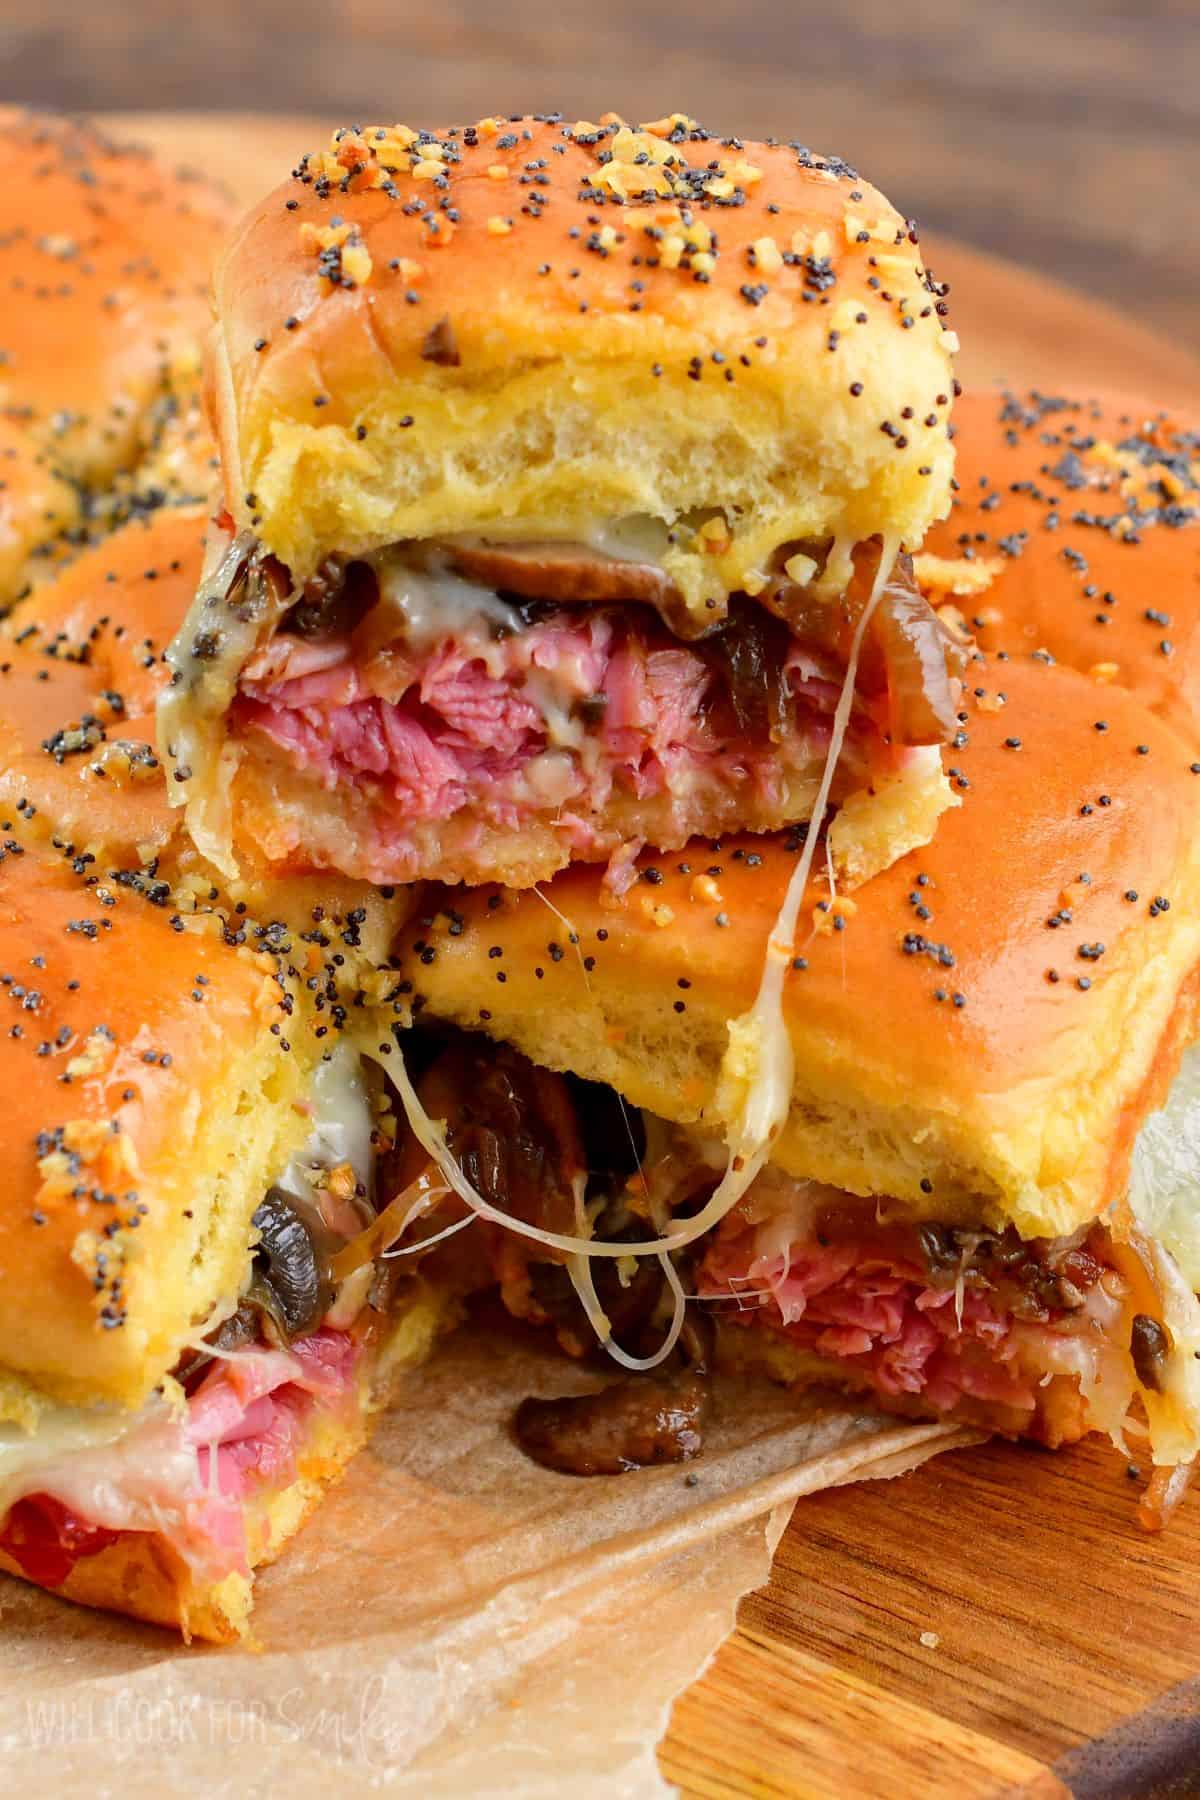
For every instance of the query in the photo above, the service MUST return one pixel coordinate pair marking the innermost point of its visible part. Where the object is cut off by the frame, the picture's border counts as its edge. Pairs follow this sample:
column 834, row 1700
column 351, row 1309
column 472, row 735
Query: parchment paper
column 454, row 1620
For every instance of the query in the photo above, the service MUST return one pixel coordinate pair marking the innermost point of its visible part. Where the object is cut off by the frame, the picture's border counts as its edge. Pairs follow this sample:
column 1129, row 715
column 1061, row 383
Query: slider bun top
column 1059, row 902
column 1086, row 516
column 104, row 260
column 533, row 328
column 148, row 1106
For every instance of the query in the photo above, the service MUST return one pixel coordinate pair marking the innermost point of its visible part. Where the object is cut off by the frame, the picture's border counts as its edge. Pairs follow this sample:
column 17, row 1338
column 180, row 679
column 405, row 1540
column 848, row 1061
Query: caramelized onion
column 750, row 650
column 918, row 654
column 908, row 656
column 512, row 1128
column 390, row 1225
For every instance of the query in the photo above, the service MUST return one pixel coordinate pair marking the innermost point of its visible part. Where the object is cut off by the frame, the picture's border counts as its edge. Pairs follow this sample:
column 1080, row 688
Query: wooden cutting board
column 995, row 1623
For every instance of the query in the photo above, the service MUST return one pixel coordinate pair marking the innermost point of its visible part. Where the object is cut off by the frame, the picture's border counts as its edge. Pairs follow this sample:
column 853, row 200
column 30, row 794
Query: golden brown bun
column 1087, row 515
column 521, row 342
column 37, row 504
column 104, row 260
column 88, row 646
column 1022, row 1101
column 148, row 1105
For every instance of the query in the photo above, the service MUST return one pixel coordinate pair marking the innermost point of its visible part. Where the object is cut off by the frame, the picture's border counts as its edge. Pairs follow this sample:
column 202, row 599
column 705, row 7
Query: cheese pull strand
column 758, row 1039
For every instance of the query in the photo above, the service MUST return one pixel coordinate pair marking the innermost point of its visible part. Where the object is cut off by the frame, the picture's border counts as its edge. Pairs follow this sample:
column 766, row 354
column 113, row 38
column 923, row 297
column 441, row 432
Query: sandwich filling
column 588, row 1221
column 268, row 1397
column 454, row 709
column 605, row 1225
column 1041, row 1338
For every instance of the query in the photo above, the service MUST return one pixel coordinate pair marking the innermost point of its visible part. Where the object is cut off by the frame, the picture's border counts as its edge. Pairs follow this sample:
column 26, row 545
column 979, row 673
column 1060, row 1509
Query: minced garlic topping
column 956, row 575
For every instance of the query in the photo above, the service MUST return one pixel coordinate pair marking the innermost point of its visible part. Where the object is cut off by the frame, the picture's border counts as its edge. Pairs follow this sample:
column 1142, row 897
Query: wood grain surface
column 1064, row 136
column 995, row 1623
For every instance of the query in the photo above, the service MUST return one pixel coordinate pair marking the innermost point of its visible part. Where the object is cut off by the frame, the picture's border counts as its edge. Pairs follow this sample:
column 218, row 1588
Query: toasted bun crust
column 1086, row 516
column 528, row 324
column 149, row 1104
column 1039, row 902
column 104, row 259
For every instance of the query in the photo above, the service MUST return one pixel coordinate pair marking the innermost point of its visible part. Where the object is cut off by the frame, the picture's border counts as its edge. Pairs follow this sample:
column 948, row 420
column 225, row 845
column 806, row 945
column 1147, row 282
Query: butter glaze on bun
column 1076, row 530
column 529, row 323
column 983, row 1035
column 80, row 673
column 149, row 1106
column 104, row 262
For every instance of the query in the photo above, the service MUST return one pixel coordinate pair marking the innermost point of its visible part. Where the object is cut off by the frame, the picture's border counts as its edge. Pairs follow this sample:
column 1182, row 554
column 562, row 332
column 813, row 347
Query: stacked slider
column 977, row 1036
column 569, row 479
column 567, row 474
column 195, row 1331
column 562, row 526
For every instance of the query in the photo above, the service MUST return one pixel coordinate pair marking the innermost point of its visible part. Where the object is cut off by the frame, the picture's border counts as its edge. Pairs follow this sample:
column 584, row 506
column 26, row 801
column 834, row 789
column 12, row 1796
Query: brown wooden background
column 1064, row 134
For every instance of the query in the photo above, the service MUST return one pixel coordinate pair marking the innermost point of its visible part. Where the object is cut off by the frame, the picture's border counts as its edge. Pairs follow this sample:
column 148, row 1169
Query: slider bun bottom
column 286, row 820
column 1060, row 1417
column 142, row 1577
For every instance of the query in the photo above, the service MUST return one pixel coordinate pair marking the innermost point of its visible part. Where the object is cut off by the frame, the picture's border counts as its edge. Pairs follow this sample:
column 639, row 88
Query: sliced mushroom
column 572, row 573
column 335, row 600
column 1149, row 1345
column 291, row 1281
column 633, row 1424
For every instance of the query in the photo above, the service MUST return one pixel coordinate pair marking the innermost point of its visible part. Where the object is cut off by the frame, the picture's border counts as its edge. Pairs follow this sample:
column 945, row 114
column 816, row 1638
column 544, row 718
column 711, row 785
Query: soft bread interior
column 555, row 447
column 227, row 1144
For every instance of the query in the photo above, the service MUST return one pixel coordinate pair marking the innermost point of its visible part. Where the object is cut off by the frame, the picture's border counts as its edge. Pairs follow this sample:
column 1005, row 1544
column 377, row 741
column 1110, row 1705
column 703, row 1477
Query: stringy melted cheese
column 755, row 1086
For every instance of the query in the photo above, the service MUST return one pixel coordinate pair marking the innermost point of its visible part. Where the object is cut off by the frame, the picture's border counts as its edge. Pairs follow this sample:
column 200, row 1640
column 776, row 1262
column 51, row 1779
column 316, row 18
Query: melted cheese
column 755, row 1088
column 341, row 1125
column 1164, row 1180
column 428, row 603
column 205, row 658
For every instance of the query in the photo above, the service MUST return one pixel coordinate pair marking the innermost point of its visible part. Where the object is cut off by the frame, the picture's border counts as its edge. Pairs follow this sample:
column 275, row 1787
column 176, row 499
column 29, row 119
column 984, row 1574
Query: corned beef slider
column 940, row 1215
column 568, row 474
column 81, row 668
column 195, row 1325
